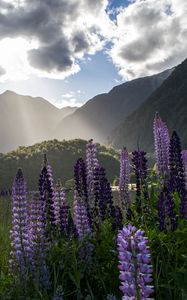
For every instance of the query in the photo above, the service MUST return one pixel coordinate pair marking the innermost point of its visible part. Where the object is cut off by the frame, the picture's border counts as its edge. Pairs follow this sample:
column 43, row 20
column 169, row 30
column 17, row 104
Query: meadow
column 92, row 243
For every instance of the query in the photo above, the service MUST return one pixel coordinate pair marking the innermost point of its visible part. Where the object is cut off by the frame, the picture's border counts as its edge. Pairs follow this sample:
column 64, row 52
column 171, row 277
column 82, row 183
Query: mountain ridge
column 170, row 100
column 99, row 115
column 25, row 120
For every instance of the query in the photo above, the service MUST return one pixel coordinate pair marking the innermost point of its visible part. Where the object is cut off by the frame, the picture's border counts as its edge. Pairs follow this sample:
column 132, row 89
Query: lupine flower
column 166, row 213
column 161, row 141
column 134, row 264
column 118, row 218
column 103, row 195
column 20, row 248
column 177, row 175
column 61, row 208
column 184, row 160
column 38, row 243
column 47, row 194
column 140, row 168
column 91, row 164
column 80, row 178
column 59, row 294
column 81, row 219
column 124, row 179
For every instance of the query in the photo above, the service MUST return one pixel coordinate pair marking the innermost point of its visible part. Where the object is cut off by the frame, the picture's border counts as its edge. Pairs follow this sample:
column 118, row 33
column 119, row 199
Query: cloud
column 52, row 38
column 2, row 71
column 72, row 98
column 62, row 32
column 150, row 37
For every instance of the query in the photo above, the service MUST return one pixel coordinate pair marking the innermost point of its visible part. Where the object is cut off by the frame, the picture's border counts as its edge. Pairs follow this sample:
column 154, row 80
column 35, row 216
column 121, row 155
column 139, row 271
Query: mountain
column 170, row 100
column 25, row 120
column 66, row 111
column 62, row 157
column 104, row 112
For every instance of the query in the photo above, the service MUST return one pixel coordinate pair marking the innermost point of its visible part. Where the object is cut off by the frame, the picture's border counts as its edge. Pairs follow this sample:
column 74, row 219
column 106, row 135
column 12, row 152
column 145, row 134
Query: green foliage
column 95, row 278
column 65, row 152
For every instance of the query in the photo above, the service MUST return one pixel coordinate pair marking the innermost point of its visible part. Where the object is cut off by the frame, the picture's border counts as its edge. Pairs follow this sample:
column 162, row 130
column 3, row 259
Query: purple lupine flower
column 177, row 175
column 80, row 217
column 38, row 244
column 104, row 204
column 140, row 168
column 166, row 212
column 20, row 248
column 59, row 294
column 91, row 164
column 61, row 208
column 161, row 141
column 184, row 160
column 134, row 264
column 47, row 194
column 118, row 223
column 80, row 178
column 124, row 179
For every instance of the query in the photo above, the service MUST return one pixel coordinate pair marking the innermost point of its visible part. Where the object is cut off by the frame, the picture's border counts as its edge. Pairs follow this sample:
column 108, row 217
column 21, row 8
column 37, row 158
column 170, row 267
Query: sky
column 70, row 51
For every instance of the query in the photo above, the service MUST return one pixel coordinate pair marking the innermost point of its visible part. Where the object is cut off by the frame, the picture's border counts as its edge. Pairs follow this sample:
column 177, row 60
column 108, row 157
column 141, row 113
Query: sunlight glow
column 14, row 58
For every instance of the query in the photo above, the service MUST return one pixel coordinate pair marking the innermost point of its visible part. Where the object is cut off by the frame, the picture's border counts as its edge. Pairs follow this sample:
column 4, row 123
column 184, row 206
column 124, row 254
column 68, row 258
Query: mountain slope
column 170, row 100
column 25, row 120
column 104, row 112
column 62, row 157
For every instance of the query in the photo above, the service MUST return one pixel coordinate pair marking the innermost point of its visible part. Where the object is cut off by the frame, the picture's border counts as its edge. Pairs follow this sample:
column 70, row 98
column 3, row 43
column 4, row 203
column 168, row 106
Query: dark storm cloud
column 5, row 5
column 80, row 41
column 2, row 71
column 45, row 21
column 141, row 48
column 39, row 19
column 52, row 57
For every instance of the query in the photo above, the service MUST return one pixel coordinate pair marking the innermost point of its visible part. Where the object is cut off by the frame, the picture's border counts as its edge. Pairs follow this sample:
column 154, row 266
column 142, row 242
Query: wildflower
column 161, row 141
column 38, row 243
column 61, row 208
column 81, row 217
column 140, row 168
column 124, row 179
column 20, row 248
column 134, row 264
column 177, row 175
column 47, row 195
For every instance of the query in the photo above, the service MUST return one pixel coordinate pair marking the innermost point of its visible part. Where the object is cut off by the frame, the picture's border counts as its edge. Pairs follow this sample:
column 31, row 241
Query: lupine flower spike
column 184, row 160
column 177, row 175
column 47, row 195
column 140, row 168
column 61, row 208
column 161, row 141
column 38, row 243
column 91, row 164
column 124, row 179
column 20, row 248
column 134, row 264
column 81, row 217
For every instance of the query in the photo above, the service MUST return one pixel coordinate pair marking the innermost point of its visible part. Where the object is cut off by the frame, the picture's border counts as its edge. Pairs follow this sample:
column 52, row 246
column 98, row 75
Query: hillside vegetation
column 170, row 100
column 61, row 155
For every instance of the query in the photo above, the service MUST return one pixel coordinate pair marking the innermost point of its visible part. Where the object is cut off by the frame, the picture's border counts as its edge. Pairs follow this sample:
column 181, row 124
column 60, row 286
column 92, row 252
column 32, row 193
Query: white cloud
column 59, row 38
column 146, row 37
column 150, row 37
column 72, row 98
